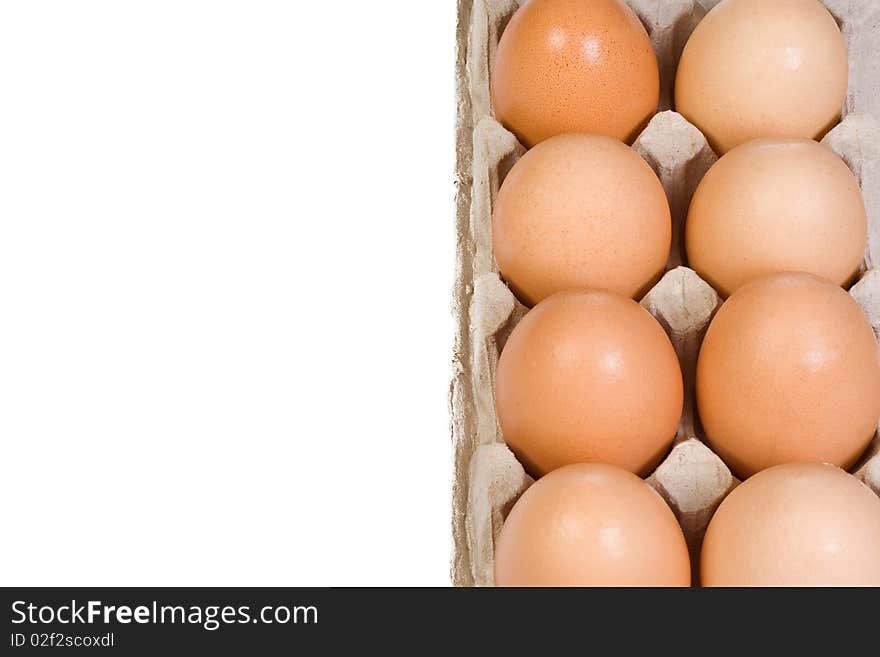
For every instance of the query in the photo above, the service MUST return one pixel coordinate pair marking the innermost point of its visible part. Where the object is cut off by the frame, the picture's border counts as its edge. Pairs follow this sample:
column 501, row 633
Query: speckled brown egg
column 788, row 371
column 581, row 210
column 574, row 66
column 591, row 524
column 798, row 524
column 776, row 204
column 755, row 68
column 588, row 376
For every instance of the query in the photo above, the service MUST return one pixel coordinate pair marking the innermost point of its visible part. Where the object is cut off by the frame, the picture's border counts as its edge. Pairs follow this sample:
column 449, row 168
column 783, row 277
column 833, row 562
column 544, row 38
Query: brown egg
column 591, row 524
column 588, row 376
column 776, row 204
column 788, row 371
column 798, row 524
column 574, row 66
column 754, row 68
column 581, row 210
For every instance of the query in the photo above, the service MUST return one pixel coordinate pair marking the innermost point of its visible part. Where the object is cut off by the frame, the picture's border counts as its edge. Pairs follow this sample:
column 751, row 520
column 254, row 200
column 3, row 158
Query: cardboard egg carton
column 488, row 479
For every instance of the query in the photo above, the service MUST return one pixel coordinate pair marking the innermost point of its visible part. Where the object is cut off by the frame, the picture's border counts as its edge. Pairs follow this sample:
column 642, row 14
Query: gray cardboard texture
column 487, row 477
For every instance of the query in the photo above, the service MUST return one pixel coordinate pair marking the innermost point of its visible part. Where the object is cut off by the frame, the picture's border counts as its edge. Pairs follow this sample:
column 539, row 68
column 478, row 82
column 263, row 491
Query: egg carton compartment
column 488, row 479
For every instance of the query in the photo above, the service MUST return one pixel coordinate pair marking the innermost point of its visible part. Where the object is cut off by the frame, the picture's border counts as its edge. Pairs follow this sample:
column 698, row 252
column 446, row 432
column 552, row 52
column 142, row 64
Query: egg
column 574, row 66
column 776, row 204
column 788, row 371
column 754, row 68
column 581, row 210
column 797, row 524
column 591, row 524
column 588, row 376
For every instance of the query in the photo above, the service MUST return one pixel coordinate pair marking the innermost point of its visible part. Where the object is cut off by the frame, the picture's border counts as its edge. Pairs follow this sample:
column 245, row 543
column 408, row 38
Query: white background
column 226, row 255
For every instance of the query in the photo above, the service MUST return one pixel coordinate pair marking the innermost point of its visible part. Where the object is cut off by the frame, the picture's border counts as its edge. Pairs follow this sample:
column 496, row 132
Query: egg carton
column 692, row 479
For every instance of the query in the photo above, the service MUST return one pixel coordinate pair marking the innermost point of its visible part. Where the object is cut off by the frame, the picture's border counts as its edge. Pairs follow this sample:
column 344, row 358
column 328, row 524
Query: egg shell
column 797, row 524
column 776, row 204
column 573, row 66
column 588, row 376
column 591, row 525
column 754, row 68
column 581, row 210
column 788, row 371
